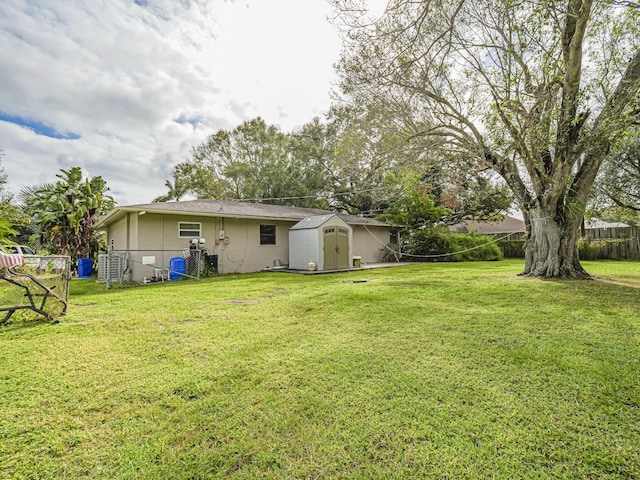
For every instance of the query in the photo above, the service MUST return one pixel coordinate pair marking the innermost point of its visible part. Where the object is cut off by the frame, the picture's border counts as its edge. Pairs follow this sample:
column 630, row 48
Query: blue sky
column 126, row 88
column 37, row 127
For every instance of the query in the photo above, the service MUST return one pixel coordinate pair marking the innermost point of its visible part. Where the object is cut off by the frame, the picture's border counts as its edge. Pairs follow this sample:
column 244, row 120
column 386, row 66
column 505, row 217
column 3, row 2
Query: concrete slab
column 368, row 266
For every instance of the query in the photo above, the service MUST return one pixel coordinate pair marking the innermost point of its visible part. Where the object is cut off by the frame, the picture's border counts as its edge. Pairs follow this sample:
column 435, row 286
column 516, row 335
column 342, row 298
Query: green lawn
column 423, row 371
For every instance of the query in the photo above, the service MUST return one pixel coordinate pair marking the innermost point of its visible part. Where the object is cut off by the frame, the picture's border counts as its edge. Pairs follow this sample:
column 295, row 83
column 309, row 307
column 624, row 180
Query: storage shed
column 323, row 240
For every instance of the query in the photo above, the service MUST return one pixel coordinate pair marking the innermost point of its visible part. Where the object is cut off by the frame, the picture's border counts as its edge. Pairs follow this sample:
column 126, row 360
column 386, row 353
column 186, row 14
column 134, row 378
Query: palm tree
column 6, row 230
column 176, row 191
column 63, row 213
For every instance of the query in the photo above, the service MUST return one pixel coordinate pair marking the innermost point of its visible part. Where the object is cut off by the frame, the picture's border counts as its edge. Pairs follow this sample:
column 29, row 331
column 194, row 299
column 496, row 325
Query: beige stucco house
column 245, row 237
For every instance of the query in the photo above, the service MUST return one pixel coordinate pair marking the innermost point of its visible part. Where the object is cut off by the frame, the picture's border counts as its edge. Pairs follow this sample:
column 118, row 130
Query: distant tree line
column 352, row 162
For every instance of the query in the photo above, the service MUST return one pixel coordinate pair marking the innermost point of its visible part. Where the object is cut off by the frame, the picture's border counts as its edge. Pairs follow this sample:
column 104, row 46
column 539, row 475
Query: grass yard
column 424, row 371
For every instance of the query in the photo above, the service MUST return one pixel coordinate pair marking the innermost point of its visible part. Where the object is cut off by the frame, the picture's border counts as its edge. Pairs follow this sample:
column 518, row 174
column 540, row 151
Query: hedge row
column 437, row 244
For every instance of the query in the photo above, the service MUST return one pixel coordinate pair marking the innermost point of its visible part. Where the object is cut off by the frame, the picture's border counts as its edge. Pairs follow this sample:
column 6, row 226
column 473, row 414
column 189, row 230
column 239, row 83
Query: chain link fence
column 152, row 266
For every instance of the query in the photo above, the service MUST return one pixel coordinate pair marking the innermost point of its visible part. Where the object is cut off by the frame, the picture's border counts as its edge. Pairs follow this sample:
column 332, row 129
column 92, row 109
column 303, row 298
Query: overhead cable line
column 398, row 253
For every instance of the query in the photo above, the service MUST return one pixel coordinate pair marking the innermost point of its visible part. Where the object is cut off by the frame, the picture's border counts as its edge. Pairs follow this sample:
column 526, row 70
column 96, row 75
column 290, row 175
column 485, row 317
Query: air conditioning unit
column 117, row 264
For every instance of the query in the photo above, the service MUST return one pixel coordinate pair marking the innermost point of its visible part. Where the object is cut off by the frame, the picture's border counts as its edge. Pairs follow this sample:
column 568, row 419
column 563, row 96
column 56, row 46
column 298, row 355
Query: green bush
column 427, row 241
column 512, row 248
column 609, row 248
column 437, row 244
column 474, row 247
column 588, row 250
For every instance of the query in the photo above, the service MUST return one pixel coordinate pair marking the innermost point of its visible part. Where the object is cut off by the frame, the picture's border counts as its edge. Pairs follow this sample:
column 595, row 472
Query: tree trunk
column 551, row 251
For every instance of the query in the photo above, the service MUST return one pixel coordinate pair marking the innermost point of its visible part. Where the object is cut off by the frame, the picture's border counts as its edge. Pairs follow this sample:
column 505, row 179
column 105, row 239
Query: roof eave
column 118, row 212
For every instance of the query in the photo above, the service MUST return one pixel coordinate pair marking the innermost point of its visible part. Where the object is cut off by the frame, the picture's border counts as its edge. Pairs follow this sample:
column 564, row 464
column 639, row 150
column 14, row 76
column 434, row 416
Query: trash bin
column 177, row 267
column 84, row 268
column 357, row 262
column 212, row 262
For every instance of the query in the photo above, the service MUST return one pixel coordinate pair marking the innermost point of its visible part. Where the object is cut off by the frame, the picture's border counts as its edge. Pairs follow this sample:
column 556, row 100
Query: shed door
column 336, row 248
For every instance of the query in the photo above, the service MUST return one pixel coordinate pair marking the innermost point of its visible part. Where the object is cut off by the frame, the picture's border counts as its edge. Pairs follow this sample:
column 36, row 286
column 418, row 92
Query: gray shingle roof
column 508, row 225
column 232, row 208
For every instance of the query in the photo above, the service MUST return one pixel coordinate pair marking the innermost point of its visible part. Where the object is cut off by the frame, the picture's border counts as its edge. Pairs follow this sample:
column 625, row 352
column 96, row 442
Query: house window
column 189, row 229
column 267, row 234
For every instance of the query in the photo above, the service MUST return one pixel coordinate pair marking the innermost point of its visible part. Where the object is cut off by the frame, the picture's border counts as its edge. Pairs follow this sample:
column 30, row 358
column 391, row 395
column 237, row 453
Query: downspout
column 162, row 234
column 128, row 245
column 221, row 245
column 128, row 231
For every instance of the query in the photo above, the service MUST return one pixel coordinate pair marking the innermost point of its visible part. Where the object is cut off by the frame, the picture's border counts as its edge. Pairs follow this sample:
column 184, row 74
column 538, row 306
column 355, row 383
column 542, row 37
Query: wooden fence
column 620, row 243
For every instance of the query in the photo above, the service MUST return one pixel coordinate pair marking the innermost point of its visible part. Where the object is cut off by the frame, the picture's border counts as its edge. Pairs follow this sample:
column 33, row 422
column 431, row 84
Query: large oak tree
column 618, row 185
column 539, row 91
column 364, row 148
column 254, row 161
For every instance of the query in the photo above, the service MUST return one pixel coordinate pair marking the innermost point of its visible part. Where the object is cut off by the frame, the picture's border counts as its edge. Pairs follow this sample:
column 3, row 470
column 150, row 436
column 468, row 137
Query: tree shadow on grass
column 619, row 282
column 24, row 322
column 599, row 290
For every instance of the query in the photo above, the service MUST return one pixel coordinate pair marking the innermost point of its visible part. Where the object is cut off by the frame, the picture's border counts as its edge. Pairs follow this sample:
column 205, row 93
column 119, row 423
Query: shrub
column 427, row 241
column 512, row 248
column 610, row 248
column 588, row 250
column 434, row 243
column 474, row 247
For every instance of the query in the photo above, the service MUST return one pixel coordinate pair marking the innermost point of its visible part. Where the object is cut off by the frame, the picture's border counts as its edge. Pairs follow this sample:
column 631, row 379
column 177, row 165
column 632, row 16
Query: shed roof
column 316, row 221
column 233, row 209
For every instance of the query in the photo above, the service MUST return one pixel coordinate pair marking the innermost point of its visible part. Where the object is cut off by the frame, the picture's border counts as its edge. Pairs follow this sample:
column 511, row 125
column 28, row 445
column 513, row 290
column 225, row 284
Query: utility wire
column 398, row 253
column 304, row 197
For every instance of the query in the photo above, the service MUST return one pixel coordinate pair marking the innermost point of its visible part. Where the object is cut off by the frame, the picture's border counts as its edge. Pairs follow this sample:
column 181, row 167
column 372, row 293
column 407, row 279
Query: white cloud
column 143, row 82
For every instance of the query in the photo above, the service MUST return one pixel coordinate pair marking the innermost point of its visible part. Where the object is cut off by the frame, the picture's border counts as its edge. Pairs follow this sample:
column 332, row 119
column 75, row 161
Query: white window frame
column 182, row 231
